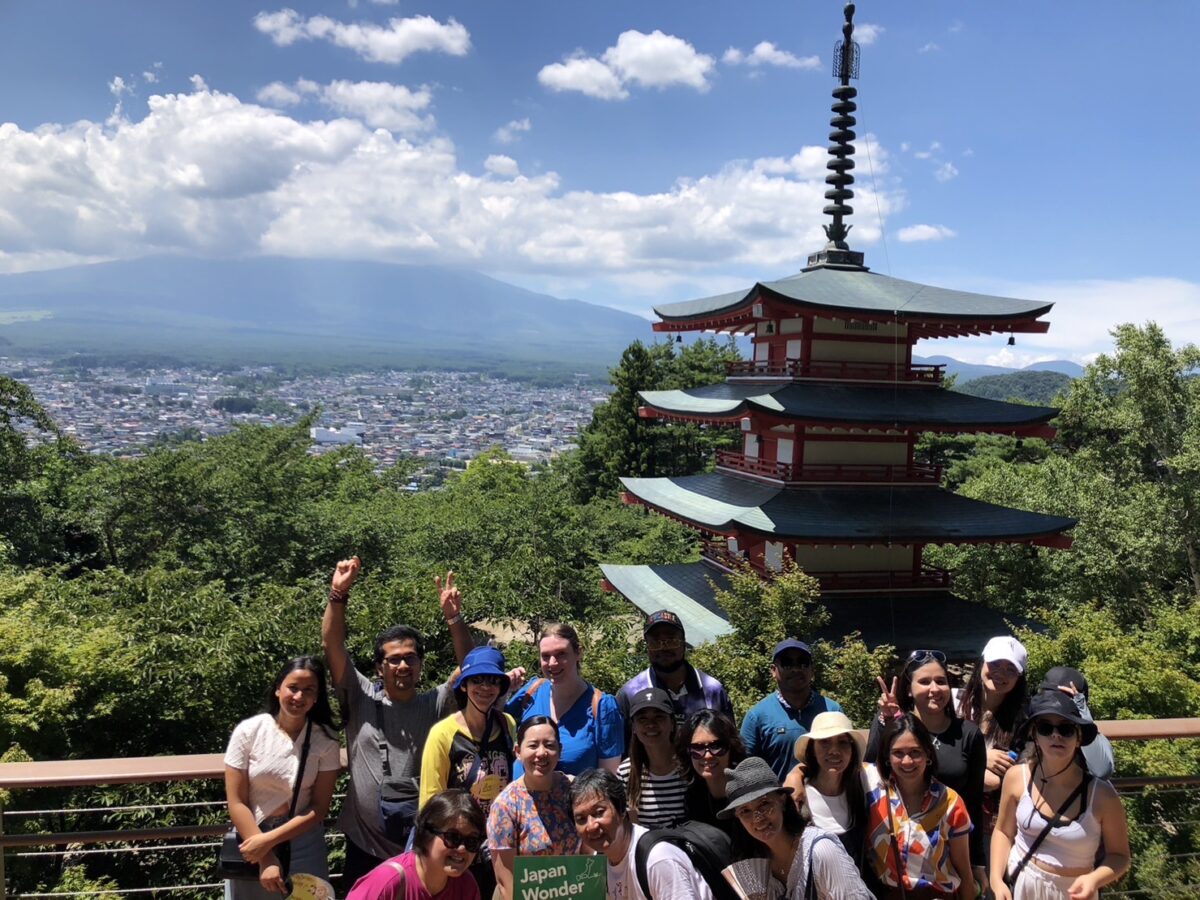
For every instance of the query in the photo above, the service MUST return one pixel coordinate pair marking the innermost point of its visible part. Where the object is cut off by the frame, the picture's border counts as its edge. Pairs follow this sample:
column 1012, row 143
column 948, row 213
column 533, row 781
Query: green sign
column 559, row 877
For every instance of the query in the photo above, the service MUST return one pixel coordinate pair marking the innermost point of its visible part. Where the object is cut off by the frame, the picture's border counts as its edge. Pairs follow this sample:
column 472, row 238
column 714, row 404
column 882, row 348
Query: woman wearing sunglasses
column 1054, row 817
column 708, row 744
column 447, row 835
column 923, row 689
column 473, row 749
column 917, row 827
column 532, row 816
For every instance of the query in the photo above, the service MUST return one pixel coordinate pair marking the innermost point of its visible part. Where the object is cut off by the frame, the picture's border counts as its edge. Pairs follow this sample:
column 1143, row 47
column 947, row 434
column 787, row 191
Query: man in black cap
column 690, row 689
column 1099, row 753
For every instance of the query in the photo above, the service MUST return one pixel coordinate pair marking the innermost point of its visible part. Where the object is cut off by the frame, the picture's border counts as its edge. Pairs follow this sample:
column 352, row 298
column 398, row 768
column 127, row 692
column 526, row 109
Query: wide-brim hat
column 747, row 781
column 483, row 661
column 1056, row 703
column 826, row 725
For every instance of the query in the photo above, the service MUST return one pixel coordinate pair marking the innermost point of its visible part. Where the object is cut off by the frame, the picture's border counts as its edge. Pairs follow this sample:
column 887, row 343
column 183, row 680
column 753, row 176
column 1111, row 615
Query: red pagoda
column 830, row 407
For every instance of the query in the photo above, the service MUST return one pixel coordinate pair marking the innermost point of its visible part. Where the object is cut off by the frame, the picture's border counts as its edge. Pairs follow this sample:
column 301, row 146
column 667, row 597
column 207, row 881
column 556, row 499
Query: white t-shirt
column 264, row 750
column 669, row 872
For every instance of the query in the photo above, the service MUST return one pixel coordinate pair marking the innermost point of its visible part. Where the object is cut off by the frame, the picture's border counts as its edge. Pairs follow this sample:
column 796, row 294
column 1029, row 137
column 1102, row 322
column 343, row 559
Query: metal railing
column 848, row 370
column 1173, row 802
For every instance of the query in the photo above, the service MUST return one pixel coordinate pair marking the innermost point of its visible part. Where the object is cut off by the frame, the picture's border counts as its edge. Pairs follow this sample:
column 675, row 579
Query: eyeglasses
column 760, row 810
column 794, row 662
column 664, row 644
column 914, row 755
column 714, row 748
column 920, row 657
column 1064, row 729
column 469, row 842
column 408, row 659
column 486, row 680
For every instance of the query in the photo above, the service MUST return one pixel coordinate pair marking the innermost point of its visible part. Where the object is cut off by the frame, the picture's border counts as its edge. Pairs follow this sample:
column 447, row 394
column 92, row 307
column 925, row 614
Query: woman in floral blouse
column 917, row 827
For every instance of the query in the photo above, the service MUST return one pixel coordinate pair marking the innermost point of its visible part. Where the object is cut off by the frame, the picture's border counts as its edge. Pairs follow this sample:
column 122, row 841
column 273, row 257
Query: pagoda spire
column 837, row 253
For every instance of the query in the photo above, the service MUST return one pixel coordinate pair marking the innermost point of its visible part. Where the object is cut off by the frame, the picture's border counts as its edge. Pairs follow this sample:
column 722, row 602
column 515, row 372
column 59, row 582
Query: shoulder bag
column 398, row 795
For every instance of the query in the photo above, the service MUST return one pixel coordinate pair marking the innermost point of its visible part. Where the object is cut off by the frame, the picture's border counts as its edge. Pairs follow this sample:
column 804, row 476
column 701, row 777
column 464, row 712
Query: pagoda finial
column 845, row 66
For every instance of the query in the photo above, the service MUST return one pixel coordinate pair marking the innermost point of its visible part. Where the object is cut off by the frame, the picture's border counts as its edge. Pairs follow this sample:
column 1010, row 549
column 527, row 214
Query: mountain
column 296, row 311
column 969, row 371
column 1030, row 385
column 1063, row 366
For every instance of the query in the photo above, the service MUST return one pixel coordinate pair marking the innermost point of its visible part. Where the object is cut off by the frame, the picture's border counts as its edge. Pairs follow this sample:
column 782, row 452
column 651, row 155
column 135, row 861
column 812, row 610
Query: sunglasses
column 1065, row 729
column 715, row 748
column 920, row 657
column 469, row 842
column 486, row 680
column 664, row 644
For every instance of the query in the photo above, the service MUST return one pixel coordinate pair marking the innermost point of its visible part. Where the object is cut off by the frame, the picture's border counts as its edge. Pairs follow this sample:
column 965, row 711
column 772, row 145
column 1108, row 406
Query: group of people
column 950, row 793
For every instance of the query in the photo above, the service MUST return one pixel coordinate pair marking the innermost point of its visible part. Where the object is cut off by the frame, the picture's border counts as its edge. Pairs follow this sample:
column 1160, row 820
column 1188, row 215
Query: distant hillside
column 295, row 311
column 1028, row 385
column 967, row 371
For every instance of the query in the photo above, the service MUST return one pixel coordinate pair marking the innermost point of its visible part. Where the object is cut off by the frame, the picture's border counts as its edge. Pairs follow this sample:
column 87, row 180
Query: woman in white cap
column 1054, row 816
column 832, row 780
column 994, row 699
column 803, row 861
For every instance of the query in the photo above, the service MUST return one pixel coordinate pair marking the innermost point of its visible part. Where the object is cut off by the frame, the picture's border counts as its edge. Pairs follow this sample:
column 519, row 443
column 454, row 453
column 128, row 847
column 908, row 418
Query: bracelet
column 338, row 597
column 455, row 619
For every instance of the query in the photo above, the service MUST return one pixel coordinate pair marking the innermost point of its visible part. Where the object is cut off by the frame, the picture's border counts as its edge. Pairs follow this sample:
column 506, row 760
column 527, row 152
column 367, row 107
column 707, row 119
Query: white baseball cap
column 1007, row 648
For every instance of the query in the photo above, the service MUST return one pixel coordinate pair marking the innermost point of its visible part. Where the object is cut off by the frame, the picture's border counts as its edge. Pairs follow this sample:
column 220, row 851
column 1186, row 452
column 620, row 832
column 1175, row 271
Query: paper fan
column 310, row 887
column 751, row 879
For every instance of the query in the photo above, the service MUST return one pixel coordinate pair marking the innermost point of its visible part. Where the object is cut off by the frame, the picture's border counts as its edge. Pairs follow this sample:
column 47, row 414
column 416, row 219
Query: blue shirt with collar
column 772, row 725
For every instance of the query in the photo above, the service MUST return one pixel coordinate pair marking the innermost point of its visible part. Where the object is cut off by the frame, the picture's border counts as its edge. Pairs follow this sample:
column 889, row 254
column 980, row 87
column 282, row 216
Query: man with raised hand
column 387, row 720
column 772, row 725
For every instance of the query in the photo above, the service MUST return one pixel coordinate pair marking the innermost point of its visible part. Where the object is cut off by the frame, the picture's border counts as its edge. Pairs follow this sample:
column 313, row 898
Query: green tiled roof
column 866, row 404
column 827, row 515
column 849, row 290
column 907, row 621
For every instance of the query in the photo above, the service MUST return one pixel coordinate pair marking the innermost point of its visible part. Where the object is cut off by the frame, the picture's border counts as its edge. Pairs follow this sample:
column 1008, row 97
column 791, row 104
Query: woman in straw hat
column 785, row 858
column 1054, row 817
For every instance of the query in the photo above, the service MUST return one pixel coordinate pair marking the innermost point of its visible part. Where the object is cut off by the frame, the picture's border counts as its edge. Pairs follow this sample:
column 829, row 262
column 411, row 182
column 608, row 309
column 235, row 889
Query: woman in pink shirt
column 448, row 833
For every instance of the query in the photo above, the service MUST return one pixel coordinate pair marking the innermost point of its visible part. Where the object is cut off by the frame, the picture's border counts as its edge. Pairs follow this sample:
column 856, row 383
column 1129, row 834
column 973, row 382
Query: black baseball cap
column 663, row 617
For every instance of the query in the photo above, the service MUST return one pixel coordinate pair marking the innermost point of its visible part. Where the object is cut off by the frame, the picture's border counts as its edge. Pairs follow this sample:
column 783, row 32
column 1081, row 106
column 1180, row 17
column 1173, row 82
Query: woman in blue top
column 590, row 726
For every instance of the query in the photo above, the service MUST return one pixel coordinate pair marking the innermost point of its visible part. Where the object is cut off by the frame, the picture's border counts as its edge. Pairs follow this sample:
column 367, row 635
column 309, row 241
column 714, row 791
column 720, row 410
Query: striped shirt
column 663, row 799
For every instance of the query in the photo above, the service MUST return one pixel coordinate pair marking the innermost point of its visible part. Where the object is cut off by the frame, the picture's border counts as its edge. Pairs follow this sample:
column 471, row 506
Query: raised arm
column 450, row 599
column 333, row 624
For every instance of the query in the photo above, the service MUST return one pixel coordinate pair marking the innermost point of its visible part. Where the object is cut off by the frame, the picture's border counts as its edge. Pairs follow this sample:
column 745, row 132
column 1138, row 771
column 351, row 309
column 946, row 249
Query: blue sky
column 623, row 153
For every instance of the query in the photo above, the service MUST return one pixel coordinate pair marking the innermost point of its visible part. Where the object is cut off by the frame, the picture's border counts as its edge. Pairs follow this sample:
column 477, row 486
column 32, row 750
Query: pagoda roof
column 727, row 504
column 908, row 621
column 841, row 293
column 839, row 403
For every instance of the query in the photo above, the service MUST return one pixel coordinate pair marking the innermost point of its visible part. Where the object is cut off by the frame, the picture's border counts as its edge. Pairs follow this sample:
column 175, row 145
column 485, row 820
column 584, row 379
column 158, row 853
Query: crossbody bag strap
column 1037, row 842
column 382, row 738
column 895, row 843
column 300, row 771
column 596, row 720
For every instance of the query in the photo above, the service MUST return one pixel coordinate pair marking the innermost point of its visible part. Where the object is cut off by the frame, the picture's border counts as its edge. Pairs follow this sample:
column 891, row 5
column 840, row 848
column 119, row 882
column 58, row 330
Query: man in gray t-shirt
column 406, row 714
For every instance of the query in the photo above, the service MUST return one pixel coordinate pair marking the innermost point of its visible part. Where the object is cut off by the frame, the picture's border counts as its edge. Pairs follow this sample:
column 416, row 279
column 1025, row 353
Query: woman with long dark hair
column 447, row 835
column 917, row 827
column 654, row 778
column 278, row 820
column 708, row 745
column 923, row 689
column 770, row 843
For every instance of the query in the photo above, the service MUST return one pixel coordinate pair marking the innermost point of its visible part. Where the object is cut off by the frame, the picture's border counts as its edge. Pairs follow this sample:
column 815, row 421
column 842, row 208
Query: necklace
column 781, row 872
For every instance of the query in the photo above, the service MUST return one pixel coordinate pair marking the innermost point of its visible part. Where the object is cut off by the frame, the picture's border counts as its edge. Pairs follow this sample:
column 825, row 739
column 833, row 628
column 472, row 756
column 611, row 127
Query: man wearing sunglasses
column 690, row 689
column 772, row 725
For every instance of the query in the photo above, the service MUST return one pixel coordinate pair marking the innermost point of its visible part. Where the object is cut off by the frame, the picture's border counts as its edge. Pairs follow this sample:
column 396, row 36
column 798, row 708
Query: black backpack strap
column 382, row 738
column 641, row 858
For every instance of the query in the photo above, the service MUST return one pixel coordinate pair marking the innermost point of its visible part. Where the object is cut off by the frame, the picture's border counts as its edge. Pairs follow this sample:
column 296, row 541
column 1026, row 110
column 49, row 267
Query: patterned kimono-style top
column 922, row 839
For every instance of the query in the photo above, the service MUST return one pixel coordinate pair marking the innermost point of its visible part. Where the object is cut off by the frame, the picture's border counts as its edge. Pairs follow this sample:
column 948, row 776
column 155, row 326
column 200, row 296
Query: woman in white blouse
column 265, row 755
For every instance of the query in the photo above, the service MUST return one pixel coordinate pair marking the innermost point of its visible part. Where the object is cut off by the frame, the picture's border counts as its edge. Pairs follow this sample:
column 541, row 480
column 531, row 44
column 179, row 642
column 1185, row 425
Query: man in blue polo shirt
column 772, row 725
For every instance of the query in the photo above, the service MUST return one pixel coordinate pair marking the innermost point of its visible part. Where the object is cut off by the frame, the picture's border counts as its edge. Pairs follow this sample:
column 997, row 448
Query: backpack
column 706, row 846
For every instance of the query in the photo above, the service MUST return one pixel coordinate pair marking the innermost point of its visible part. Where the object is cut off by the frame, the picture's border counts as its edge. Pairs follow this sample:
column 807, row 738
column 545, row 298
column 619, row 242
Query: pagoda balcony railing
column 35, row 843
column 829, row 473
column 928, row 578
column 717, row 551
column 922, row 373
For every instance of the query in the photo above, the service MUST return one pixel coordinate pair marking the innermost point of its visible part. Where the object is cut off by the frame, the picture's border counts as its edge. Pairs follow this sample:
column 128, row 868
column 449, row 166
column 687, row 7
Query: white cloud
column 654, row 60
column 586, row 75
column 928, row 48
column 205, row 172
column 504, row 166
column 945, row 172
column 374, row 43
column 511, row 133
column 278, row 94
column 767, row 54
column 867, row 33
column 151, row 75
column 377, row 103
column 924, row 233
column 117, row 86
column 934, row 147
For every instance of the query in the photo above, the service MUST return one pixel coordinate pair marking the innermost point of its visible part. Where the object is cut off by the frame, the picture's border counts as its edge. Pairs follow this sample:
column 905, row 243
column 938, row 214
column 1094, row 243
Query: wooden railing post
column 3, row 885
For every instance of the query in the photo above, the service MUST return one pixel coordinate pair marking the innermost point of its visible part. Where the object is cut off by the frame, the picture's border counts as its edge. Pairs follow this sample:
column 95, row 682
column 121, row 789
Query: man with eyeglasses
column 772, row 725
column 690, row 689
column 388, row 719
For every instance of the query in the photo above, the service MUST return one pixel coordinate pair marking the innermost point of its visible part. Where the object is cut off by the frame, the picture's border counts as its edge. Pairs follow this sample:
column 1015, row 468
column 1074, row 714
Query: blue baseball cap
column 791, row 644
column 483, row 661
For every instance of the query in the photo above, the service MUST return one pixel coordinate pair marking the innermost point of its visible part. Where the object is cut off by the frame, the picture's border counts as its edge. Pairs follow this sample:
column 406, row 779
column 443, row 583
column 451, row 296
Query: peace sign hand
column 449, row 596
column 889, row 707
